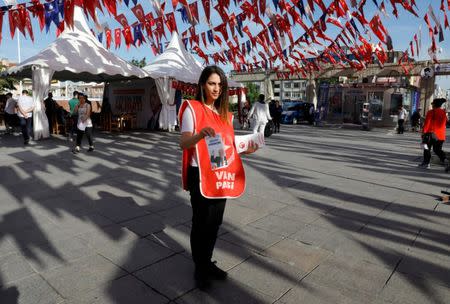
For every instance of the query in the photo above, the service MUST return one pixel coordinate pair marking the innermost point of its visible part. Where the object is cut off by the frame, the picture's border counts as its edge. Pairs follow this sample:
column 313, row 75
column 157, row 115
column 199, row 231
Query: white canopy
column 175, row 62
column 77, row 55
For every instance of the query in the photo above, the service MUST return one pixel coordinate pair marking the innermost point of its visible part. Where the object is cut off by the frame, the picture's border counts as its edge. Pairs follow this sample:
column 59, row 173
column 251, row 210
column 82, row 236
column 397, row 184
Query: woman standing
column 261, row 112
column 84, row 123
column 207, row 129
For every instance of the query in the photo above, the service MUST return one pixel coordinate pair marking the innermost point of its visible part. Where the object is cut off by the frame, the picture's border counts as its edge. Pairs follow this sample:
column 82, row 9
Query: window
column 296, row 85
column 396, row 101
column 287, row 94
column 276, row 94
column 287, row 85
column 276, row 85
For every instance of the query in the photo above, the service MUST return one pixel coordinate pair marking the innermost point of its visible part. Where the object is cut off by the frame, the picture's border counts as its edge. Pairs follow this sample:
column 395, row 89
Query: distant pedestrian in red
column 434, row 133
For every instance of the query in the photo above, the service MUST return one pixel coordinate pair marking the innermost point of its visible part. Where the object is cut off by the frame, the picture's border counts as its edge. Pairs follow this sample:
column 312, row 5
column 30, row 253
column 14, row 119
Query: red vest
column 227, row 181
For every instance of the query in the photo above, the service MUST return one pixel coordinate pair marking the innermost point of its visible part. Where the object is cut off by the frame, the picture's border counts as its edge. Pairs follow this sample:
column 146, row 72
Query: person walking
column 415, row 120
column 10, row 113
column 277, row 111
column 50, row 110
column 433, row 133
column 260, row 110
column 401, row 119
column 73, row 115
column 25, row 107
column 84, row 123
column 207, row 129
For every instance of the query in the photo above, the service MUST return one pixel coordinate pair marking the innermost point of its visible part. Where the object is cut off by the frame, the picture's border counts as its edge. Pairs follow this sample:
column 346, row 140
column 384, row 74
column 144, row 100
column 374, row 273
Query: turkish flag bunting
column 108, row 38
column 122, row 20
column 139, row 13
column 1, row 24
column 14, row 21
column 207, row 8
column 321, row 5
column 127, row 36
column 110, row 6
column 174, row 4
column 204, row 39
column 262, row 7
column 171, row 23
column 193, row 7
column 117, row 38
column 28, row 25
column 222, row 28
column 222, row 12
column 37, row 9
column 218, row 40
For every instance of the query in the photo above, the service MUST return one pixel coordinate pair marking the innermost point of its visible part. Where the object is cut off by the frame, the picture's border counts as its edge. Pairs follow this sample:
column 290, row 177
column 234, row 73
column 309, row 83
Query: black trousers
column 437, row 148
column 207, row 216
column 26, row 126
column 80, row 134
column 276, row 121
column 401, row 128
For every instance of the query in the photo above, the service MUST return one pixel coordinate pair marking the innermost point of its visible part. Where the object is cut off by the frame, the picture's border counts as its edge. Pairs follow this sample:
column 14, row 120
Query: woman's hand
column 252, row 147
column 207, row 131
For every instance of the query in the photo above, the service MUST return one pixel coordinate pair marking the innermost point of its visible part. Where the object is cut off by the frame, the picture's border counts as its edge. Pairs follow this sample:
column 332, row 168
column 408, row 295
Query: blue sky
column 401, row 30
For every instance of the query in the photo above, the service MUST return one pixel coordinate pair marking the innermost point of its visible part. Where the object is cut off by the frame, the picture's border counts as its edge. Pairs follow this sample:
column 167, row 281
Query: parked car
column 295, row 112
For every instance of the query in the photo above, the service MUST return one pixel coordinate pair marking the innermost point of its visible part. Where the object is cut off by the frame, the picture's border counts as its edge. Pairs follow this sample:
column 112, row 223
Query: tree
column 139, row 63
column 252, row 92
column 6, row 83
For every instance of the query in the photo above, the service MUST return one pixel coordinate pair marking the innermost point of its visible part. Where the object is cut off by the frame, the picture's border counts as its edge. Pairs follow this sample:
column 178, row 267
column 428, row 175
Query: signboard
column 442, row 68
column 427, row 73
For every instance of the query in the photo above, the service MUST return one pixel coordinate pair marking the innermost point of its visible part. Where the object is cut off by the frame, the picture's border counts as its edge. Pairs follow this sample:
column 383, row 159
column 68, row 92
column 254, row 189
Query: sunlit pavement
column 329, row 216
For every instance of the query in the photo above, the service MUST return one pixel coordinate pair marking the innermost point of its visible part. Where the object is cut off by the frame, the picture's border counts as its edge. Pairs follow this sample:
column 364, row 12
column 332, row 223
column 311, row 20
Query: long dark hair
column 221, row 103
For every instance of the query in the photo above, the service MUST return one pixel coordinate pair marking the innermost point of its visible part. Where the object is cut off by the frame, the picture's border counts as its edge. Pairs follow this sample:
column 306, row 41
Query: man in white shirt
column 401, row 119
column 10, row 113
column 25, row 107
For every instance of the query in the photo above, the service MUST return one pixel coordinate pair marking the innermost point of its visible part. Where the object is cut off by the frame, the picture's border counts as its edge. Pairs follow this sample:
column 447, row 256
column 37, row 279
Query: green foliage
column 139, row 63
column 6, row 83
column 252, row 92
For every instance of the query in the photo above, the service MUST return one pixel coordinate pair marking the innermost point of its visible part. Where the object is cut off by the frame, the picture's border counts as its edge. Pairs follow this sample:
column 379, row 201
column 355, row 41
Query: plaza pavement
column 329, row 216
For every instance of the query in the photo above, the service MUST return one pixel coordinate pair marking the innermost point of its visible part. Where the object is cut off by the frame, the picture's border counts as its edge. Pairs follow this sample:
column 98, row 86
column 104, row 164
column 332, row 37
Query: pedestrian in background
column 208, row 186
column 277, row 111
column 10, row 113
column 25, row 107
column 84, row 124
column 402, row 113
column 260, row 111
column 73, row 115
column 433, row 133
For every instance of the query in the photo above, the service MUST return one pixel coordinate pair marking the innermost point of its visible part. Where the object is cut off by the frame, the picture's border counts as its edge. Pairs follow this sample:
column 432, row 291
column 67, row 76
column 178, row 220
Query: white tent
column 75, row 55
column 175, row 63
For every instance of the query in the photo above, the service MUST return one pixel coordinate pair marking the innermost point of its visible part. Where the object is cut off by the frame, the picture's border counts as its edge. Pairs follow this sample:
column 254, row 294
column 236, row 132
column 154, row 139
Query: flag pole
column 19, row 58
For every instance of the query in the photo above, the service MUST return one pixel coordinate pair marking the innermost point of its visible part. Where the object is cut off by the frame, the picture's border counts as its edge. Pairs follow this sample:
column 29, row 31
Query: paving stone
column 261, row 204
column 296, row 254
column 278, row 225
column 82, row 275
column 237, row 215
column 172, row 277
column 354, row 279
column 266, row 275
column 177, row 215
column 109, row 237
column 251, row 238
column 117, row 208
column 57, row 254
column 139, row 254
column 30, row 290
column 14, row 267
column 308, row 292
column 229, row 255
column 336, row 222
column 145, row 225
column 313, row 235
column 305, row 215
column 175, row 238
column 429, row 267
column 124, row 290
column 408, row 289
column 229, row 291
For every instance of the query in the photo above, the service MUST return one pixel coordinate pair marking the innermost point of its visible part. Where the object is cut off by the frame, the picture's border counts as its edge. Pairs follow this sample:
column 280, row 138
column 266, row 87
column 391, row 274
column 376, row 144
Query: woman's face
column 82, row 99
column 212, row 88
